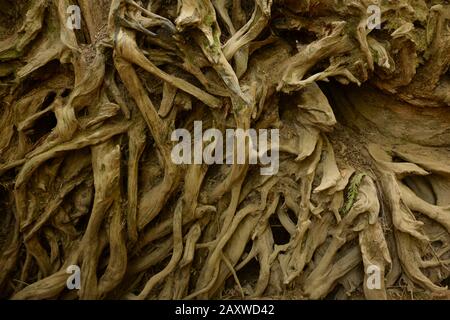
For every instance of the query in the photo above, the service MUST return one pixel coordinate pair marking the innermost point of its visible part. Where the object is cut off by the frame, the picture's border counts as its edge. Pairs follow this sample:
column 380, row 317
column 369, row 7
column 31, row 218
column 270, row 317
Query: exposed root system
column 87, row 178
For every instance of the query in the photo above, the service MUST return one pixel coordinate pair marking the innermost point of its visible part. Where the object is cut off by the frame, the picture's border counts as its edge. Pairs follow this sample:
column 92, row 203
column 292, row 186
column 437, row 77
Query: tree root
column 87, row 177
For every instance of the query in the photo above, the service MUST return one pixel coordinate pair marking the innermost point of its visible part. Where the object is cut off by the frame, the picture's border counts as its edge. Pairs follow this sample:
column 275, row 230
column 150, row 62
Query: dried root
column 87, row 178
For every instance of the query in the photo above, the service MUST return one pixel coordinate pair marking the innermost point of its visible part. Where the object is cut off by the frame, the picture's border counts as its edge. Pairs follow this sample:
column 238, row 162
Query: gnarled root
column 359, row 204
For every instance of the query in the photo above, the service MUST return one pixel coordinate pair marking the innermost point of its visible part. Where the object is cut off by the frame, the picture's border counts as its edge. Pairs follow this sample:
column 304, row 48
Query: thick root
column 87, row 176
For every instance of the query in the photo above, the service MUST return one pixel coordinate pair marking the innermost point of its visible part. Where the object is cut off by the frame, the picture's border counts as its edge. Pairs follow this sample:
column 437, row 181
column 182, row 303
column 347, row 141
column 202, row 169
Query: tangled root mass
column 87, row 179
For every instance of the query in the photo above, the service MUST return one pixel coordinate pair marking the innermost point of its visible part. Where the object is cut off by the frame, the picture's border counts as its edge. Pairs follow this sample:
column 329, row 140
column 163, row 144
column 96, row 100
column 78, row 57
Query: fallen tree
column 87, row 178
